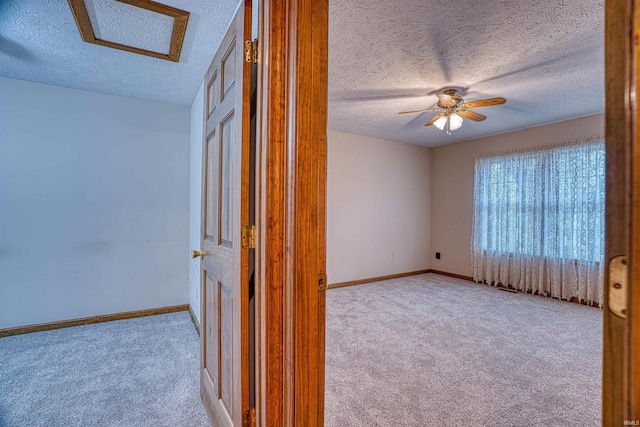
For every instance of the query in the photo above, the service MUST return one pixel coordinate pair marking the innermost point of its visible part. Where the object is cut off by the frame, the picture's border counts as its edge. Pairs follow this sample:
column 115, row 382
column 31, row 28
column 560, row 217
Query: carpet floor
column 430, row 350
column 129, row 373
column 418, row 351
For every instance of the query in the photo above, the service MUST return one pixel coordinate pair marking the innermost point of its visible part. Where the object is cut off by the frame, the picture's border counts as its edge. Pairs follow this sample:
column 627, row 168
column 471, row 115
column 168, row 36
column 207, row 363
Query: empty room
column 306, row 213
column 465, row 149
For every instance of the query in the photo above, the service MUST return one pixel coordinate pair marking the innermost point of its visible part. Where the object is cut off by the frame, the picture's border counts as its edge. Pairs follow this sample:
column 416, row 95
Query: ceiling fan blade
column 448, row 100
column 421, row 111
column 472, row 115
column 430, row 122
column 484, row 103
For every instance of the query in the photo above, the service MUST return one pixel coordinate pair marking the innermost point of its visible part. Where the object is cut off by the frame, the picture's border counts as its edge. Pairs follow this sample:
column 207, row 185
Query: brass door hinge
column 322, row 282
column 618, row 286
column 250, row 418
column 249, row 237
column 251, row 51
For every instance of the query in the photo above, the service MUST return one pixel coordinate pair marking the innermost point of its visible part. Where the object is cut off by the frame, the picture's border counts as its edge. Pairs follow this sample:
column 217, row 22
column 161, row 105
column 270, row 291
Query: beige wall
column 378, row 209
column 94, row 204
column 452, row 183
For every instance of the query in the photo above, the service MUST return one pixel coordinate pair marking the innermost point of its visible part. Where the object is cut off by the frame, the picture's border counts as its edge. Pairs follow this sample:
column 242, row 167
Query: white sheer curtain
column 538, row 222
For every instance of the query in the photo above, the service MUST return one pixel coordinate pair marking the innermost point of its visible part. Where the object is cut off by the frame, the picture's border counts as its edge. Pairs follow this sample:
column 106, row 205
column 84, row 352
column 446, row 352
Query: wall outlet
column 437, row 255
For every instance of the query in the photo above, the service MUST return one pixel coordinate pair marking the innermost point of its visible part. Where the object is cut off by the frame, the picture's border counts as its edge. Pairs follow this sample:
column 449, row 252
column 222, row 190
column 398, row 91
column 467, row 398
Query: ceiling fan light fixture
column 455, row 121
column 441, row 122
column 452, row 108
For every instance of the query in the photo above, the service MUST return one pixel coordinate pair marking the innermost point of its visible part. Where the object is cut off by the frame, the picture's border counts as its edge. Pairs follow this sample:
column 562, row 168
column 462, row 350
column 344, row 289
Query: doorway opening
column 424, row 342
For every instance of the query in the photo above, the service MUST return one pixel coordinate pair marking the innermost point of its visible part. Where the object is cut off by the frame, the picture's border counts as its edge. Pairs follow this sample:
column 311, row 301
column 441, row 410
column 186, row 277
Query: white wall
column 378, row 207
column 452, row 181
column 195, row 197
column 93, row 203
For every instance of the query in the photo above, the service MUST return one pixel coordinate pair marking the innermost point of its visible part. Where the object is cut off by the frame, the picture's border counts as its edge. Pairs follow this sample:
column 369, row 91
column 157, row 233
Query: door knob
column 197, row 254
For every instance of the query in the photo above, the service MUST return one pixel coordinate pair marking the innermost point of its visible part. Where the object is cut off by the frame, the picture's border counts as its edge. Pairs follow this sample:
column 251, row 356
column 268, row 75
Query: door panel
column 226, row 220
column 213, row 94
column 211, row 189
column 211, row 325
column 226, row 344
column 229, row 69
column 225, row 285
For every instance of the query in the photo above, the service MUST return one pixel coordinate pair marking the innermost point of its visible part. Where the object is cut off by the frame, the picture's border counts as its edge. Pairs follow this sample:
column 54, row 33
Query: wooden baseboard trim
column 376, row 279
column 510, row 288
column 196, row 324
column 457, row 276
column 414, row 273
column 90, row 320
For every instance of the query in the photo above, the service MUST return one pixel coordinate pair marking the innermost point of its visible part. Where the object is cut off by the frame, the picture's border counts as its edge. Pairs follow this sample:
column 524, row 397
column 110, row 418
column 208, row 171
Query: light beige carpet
column 430, row 350
column 142, row 372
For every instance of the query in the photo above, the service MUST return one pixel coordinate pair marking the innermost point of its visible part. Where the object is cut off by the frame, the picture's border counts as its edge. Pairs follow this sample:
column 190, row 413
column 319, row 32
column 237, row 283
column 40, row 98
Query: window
column 539, row 207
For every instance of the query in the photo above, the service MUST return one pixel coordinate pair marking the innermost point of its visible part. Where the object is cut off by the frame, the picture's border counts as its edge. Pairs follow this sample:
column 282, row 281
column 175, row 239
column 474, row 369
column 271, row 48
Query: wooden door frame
column 621, row 346
column 291, row 179
column 634, row 272
column 290, row 211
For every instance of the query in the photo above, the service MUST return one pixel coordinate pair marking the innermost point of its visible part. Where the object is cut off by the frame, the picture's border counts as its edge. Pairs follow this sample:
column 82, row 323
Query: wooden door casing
column 224, row 379
column 616, row 403
column 291, row 159
column 634, row 273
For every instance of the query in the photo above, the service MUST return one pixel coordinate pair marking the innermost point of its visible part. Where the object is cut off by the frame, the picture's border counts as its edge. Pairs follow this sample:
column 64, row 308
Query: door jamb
column 291, row 180
column 622, row 207
column 634, row 250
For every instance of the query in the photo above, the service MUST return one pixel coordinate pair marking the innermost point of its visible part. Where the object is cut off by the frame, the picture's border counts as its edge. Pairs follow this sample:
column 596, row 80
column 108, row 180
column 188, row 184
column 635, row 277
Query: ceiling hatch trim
column 180, row 19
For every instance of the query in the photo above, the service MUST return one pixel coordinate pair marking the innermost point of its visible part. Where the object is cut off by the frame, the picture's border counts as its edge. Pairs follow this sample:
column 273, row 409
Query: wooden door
column 224, row 379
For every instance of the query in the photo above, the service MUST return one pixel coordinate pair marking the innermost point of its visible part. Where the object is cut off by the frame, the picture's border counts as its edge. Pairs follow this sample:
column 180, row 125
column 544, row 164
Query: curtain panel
column 538, row 222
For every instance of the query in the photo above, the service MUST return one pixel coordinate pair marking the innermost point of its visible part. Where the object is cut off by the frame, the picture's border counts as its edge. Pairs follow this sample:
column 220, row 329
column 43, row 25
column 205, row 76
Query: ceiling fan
column 453, row 110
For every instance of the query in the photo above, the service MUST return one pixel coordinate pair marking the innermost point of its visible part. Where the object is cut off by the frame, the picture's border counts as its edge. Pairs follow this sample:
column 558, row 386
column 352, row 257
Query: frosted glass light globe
column 455, row 121
column 440, row 122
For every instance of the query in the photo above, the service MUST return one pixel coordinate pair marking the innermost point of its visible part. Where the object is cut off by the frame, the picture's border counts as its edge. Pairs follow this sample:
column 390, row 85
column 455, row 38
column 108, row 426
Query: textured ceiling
column 113, row 21
column 546, row 57
column 39, row 42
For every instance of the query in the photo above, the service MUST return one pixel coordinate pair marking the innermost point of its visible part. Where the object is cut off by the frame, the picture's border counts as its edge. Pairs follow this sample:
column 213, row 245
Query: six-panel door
column 224, row 367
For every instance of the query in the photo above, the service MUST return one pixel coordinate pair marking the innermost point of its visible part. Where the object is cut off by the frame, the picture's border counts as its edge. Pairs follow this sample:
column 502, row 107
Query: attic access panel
column 164, row 26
